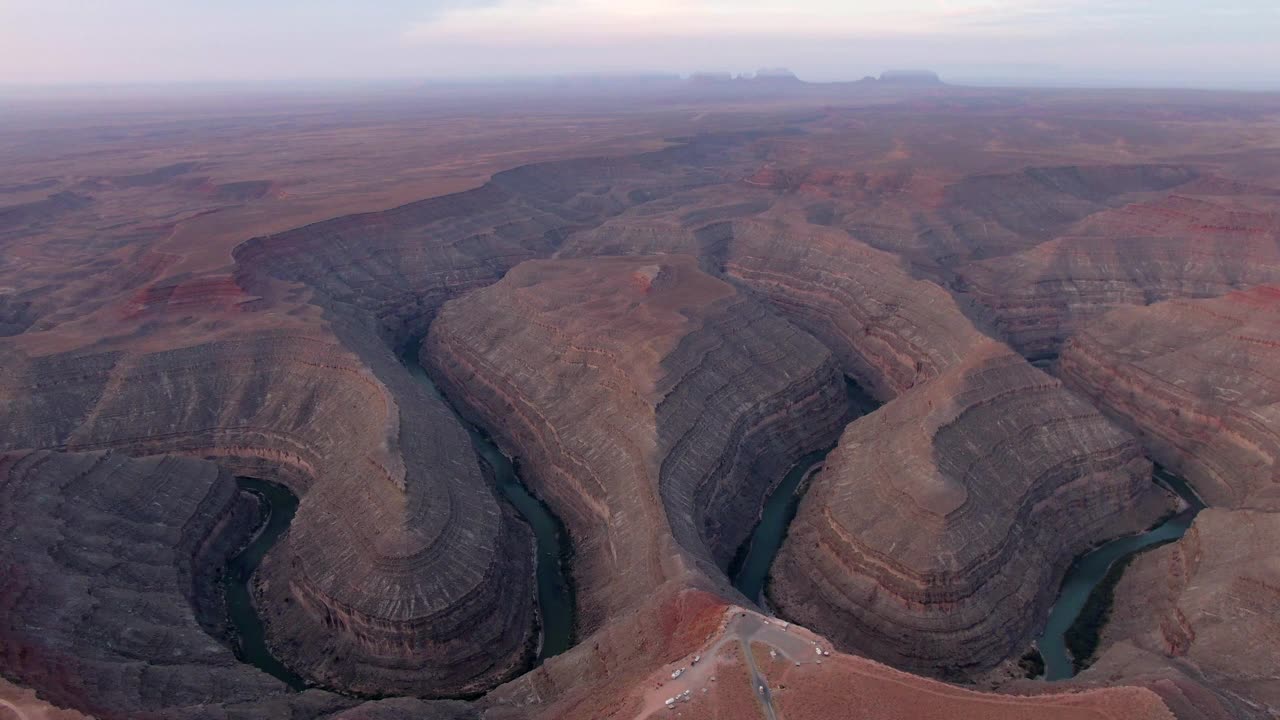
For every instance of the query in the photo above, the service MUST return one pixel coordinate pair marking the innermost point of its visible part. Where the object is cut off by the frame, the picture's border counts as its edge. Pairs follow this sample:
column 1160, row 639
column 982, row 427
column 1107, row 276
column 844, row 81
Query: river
column 1084, row 586
column 555, row 595
column 750, row 569
column 251, row 640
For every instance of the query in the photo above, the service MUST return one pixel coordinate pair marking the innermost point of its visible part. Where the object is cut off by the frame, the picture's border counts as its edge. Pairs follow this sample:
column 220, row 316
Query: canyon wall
column 937, row 531
column 890, row 331
column 651, row 405
column 1196, row 380
column 1140, row 253
column 105, row 605
column 1204, row 608
column 401, row 571
column 400, row 264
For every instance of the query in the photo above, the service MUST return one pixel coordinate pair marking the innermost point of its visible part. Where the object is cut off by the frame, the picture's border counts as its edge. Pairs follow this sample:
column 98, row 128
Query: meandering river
column 251, row 641
column 749, row 574
column 1085, row 578
column 555, row 595
column 750, row 570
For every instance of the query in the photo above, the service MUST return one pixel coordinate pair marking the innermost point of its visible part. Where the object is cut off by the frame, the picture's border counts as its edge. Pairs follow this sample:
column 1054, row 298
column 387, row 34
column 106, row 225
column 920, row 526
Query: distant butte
column 910, row 77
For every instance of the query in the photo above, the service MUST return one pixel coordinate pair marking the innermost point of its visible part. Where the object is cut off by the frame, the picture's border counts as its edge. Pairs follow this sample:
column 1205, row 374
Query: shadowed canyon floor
column 651, row 302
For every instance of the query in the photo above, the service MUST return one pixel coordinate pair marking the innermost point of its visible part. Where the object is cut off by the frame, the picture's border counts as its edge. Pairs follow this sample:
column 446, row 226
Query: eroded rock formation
column 653, row 416
column 1141, row 253
column 111, row 601
column 401, row 571
column 1196, row 380
column 401, row 264
column 934, row 537
column 890, row 331
column 639, row 393
column 107, row 566
column 1207, row 606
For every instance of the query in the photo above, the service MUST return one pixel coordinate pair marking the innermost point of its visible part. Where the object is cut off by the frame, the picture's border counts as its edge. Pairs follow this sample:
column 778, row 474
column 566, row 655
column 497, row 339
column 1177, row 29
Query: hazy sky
column 1166, row 42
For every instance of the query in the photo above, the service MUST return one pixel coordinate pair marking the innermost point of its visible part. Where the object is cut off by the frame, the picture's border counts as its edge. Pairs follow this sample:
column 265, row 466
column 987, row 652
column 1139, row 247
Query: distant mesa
column 771, row 75
column 711, row 77
column 911, row 77
column 776, row 75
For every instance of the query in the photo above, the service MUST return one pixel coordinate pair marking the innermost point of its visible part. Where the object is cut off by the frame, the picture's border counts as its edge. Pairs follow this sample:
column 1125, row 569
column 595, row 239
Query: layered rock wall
column 890, row 331
column 1197, row 381
column 1207, row 607
column 1141, row 253
column 935, row 536
column 638, row 393
column 401, row 264
column 105, row 591
column 401, row 571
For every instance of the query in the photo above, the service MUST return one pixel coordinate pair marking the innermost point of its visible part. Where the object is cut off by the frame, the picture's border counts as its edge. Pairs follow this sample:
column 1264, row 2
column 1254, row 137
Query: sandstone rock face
column 639, row 393
column 1138, row 254
column 1208, row 606
column 1196, row 379
column 401, row 571
column 890, row 331
column 936, row 533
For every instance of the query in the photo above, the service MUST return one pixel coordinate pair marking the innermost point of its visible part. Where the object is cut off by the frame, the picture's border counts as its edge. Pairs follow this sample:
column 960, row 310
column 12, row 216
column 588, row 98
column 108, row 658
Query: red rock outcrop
column 401, row 572
column 650, row 404
column 1197, row 381
column 1135, row 255
column 935, row 535
column 206, row 295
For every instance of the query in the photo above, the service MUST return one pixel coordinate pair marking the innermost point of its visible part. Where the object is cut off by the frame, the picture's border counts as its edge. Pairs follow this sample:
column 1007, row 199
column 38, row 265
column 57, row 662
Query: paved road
column 759, row 686
column 792, row 644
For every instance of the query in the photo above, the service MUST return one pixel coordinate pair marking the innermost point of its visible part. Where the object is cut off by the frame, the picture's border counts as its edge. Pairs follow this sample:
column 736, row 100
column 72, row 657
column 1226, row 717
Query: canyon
column 1198, row 384
column 681, row 403
column 654, row 306
column 934, row 534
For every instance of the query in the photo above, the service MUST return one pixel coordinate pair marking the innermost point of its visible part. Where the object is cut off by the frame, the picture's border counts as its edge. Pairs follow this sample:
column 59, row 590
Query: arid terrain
column 654, row 302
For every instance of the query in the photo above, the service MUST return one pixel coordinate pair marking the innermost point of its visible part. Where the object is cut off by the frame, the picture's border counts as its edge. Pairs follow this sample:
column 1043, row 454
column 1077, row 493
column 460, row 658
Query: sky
column 1171, row 43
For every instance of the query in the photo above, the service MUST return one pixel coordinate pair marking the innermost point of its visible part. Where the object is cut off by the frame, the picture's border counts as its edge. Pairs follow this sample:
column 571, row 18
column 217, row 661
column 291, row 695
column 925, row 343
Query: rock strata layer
column 1197, row 380
column 401, row 572
column 890, row 331
column 650, row 404
column 935, row 536
column 109, row 602
column 401, row 264
column 1176, row 247
column 1207, row 607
